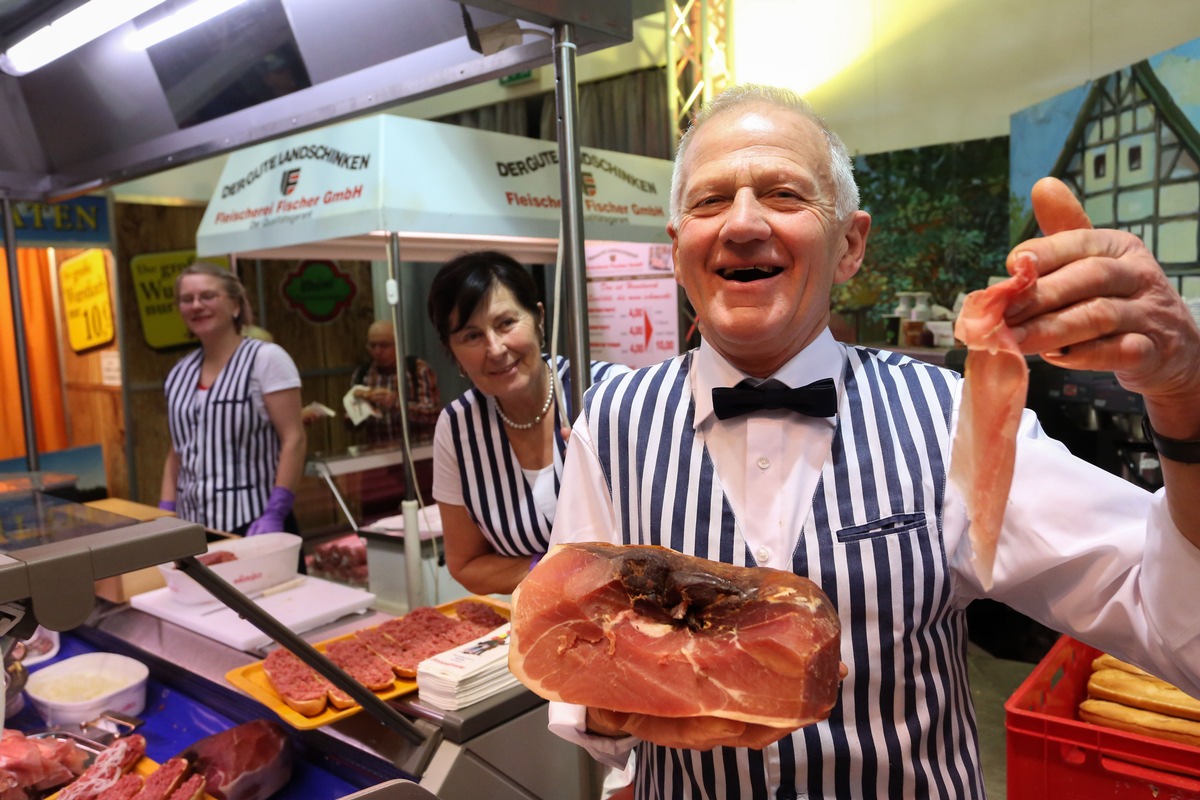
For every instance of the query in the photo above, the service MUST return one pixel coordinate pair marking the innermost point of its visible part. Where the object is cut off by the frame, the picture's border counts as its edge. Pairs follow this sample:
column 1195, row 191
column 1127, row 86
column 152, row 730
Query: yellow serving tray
column 252, row 678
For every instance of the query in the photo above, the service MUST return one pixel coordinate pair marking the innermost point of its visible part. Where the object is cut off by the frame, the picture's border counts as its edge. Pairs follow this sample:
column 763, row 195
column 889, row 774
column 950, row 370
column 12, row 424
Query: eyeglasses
column 204, row 297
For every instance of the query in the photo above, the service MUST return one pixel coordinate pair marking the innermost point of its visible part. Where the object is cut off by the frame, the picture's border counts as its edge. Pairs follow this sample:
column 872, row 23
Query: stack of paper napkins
column 467, row 674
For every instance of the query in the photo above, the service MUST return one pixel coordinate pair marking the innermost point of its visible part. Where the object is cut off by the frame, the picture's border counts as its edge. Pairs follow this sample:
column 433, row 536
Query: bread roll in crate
column 1053, row 751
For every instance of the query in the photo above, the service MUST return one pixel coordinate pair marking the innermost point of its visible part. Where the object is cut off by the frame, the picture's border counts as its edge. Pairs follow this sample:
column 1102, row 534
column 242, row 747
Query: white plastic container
column 81, row 688
column 943, row 332
column 263, row 561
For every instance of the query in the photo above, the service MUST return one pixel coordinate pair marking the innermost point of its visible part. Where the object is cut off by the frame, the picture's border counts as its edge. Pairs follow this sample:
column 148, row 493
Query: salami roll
column 296, row 683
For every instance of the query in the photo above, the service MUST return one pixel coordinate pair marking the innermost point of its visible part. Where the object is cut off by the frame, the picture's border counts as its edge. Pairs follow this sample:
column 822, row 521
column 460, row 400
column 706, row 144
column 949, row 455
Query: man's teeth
column 753, row 272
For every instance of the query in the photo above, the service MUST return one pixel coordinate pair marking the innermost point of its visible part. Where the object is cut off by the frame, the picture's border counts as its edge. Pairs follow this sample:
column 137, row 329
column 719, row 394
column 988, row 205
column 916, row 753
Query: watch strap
column 1184, row 452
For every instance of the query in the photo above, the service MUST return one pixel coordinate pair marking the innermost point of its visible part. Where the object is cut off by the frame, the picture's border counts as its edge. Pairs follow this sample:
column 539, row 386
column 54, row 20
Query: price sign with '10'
column 87, row 300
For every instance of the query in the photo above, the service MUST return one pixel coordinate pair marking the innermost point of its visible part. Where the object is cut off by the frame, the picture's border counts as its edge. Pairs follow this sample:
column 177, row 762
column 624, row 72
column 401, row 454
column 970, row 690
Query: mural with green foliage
column 940, row 223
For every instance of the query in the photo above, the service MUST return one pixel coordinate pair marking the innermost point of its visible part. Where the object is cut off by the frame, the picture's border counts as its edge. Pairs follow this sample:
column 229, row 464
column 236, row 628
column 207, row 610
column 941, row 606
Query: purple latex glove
column 167, row 505
column 279, row 505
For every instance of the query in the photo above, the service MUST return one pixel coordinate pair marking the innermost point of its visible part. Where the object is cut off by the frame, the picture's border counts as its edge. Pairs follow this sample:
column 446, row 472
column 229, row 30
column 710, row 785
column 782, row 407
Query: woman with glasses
column 233, row 408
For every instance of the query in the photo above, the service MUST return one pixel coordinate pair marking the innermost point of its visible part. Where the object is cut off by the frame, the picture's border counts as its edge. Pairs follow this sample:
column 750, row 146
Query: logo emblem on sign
column 287, row 183
column 589, row 184
column 319, row 290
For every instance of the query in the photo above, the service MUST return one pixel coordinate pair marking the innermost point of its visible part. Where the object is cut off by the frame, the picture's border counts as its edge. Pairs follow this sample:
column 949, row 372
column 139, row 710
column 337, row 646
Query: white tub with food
column 81, row 688
column 251, row 564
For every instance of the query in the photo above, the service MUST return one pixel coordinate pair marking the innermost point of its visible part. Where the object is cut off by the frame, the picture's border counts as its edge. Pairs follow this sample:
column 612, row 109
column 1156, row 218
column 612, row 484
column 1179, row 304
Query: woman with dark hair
column 233, row 408
column 497, row 449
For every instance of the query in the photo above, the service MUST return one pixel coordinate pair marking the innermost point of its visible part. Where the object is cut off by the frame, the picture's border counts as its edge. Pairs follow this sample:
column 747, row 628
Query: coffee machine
column 1096, row 418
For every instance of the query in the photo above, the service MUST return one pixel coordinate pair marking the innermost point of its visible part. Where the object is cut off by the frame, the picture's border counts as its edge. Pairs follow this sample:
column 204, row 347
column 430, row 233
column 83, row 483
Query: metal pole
column 260, row 288
column 14, row 291
column 573, row 261
column 414, row 580
column 395, row 298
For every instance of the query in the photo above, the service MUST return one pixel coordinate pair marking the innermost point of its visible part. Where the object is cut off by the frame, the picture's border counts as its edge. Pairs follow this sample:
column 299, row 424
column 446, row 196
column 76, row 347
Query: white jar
column 921, row 310
column 903, row 304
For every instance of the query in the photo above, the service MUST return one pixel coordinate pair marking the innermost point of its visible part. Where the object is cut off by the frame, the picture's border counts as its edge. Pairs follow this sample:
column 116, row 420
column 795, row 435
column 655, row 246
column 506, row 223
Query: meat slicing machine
column 52, row 551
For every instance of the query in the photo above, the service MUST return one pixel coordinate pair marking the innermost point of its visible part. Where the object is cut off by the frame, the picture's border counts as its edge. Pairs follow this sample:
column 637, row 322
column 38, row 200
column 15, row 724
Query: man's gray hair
column 841, row 168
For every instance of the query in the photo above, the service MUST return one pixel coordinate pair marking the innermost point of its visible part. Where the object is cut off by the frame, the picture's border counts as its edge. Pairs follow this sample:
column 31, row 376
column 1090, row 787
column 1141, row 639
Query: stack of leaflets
column 466, row 674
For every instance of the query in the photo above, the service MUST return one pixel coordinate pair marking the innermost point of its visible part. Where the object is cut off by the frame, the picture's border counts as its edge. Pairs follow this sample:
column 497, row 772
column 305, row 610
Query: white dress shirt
column 1081, row 550
column 770, row 461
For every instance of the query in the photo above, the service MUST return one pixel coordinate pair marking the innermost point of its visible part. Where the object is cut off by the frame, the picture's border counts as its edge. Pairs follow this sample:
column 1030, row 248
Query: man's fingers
column 1056, row 207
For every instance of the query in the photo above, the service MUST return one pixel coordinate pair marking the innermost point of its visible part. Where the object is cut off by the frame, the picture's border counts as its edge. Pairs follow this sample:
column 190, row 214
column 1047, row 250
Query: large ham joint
column 674, row 643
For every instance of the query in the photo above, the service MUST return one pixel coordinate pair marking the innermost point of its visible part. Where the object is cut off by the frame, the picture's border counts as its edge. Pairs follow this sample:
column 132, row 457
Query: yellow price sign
column 154, row 286
column 87, row 300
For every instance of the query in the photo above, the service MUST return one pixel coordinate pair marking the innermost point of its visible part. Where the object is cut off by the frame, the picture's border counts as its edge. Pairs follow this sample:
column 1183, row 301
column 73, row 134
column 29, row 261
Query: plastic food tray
column 1053, row 754
column 252, row 679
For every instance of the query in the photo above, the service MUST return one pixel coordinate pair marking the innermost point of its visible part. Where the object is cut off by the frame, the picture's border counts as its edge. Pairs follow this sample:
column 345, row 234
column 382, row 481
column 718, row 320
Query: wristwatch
column 1185, row 452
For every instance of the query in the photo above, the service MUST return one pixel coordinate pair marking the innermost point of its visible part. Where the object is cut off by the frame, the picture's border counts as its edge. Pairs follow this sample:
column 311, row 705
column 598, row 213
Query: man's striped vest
column 904, row 725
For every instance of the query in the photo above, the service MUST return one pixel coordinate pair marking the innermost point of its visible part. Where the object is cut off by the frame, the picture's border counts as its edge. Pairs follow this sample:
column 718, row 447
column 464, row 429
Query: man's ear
column 854, row 240
column 674, row 251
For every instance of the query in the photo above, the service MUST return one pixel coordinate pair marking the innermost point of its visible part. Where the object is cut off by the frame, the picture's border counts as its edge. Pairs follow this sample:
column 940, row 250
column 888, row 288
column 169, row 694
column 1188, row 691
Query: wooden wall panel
column 97, row 416
column 94, row 411
column 142, row 229
column 325, row 353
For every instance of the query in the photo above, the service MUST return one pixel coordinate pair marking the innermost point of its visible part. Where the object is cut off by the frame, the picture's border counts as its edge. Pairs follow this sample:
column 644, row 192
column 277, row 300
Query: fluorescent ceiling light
column 184, row 19
column 70, row 32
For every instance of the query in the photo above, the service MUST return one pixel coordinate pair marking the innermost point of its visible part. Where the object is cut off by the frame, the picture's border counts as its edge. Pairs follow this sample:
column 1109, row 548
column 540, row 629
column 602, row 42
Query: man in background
column 376, row 381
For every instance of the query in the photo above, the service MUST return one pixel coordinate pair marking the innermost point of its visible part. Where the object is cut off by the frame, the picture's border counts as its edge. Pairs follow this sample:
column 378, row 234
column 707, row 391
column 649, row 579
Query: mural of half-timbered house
column 1133, row 157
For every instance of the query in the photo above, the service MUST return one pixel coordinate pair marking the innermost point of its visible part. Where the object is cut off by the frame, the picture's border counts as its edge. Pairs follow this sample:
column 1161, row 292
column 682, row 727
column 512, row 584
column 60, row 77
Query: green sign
column 319, row 290
column 517, row 77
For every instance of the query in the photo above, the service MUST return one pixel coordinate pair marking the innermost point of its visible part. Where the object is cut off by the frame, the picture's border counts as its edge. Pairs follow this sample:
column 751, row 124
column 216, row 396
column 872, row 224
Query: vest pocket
column 887, row 526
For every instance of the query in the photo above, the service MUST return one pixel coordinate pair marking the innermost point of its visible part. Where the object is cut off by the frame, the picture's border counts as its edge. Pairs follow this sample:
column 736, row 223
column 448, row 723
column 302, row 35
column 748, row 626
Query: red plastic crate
column 1052, row 754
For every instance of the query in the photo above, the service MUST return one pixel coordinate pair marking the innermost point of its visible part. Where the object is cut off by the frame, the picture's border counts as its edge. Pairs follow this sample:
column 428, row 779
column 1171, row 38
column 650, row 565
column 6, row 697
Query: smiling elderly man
column 852, row 492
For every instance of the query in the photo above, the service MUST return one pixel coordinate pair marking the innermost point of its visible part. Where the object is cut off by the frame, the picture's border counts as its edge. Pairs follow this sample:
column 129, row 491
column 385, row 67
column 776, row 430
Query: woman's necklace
column 524, row 426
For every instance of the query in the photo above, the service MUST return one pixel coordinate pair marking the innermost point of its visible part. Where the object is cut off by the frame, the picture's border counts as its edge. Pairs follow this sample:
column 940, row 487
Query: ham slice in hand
column 996, row 381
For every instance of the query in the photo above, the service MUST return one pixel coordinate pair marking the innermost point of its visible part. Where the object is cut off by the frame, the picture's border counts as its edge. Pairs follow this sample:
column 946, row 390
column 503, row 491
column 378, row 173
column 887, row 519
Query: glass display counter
column 357, row 461
column 393, row 559
column 52, row 551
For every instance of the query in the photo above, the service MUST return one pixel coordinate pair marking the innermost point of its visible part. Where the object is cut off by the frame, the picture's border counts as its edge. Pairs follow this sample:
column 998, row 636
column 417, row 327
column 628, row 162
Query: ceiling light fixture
column 70, row 32
column 186, row 18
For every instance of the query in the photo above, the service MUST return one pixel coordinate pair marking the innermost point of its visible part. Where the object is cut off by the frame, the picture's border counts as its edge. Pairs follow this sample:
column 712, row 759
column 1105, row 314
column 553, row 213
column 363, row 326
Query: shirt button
column 764, row 462
column 763, row 555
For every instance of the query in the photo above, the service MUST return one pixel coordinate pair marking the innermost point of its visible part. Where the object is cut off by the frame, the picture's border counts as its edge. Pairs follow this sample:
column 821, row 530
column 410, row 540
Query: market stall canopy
column 338, row 193
column 265, row 69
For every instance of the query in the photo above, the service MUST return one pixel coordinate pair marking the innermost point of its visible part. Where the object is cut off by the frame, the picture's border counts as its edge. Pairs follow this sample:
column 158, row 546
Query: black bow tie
column 817, row 399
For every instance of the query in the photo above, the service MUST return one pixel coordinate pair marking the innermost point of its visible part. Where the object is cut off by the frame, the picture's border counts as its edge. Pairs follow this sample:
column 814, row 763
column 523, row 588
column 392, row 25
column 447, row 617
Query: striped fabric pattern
column 495, row 491
column 228, row 454
column 904, row 724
